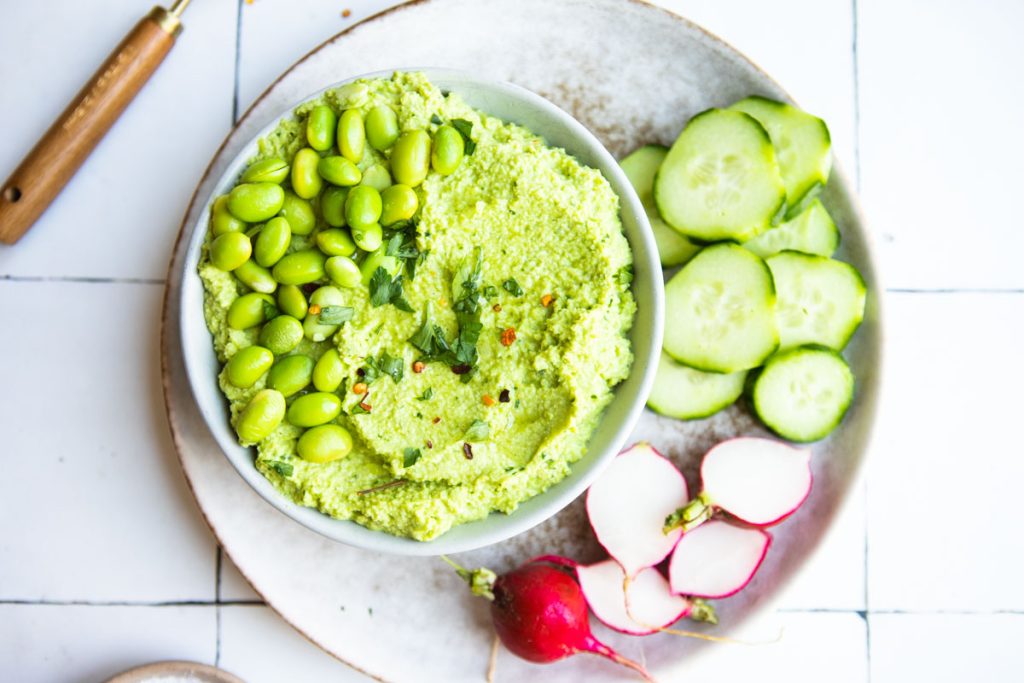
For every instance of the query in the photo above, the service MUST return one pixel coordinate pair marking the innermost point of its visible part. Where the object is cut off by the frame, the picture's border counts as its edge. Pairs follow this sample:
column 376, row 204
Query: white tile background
column 920, row 579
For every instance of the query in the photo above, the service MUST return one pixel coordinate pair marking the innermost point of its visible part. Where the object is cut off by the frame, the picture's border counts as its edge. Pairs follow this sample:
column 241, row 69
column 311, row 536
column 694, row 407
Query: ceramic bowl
column 509, row 103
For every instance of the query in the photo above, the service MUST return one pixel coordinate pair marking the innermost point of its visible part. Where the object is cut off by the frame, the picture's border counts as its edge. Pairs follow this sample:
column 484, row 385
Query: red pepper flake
column 430, row 444
column 366, row 406
column 310, row 287
column 359, row 388
column 508, row 336
column 488, row 401
column 504, row 396
column 418, row 366
column 436, row 420
column 496, row 308
column 461, row 369
column 361, row 372
column 314, row 309
column 546, row 300
column 467, row 450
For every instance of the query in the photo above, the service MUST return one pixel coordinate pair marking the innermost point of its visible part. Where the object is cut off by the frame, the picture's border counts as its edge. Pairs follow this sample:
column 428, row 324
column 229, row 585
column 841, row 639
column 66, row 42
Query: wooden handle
column 72, row 137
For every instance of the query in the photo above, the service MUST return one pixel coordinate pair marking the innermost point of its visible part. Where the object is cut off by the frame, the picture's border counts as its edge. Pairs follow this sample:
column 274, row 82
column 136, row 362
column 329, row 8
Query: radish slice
column 760, row 481
column 651, row 605
column 716, row 559
column 628, row 504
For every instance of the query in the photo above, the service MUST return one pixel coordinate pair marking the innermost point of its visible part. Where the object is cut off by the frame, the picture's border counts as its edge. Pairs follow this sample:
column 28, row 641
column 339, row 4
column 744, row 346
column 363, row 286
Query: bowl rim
column 646, row 347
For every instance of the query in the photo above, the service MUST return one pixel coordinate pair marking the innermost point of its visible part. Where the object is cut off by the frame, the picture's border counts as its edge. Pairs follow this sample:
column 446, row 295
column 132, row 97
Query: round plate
column 633, row 74
column 193, row 672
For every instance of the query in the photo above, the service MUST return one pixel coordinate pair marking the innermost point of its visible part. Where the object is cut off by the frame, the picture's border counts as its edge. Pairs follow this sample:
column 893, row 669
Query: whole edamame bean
column 363, row 206
column 314, row 409
column 272, row 170
column 292, row 301
column 306, row 182
column 324, row 444
column 379, row 259
column 260, row 417
column 339, row 171
column 377, row 176
column 328, row 371
column 221, row 220
column 335, row 242
column 448, row 150
column 320, row 126
column 281, row 335
column 291, row 374
column 351, row 135
column 255, row 277
column 272, row 242
column 332, row 205
column 230, row 250
column 381, row 127
column 299, row 214
column 300, row 267
column 398, row 203
column 368, row 238
column 247, row 365
column 255, row 202
column 323, row 297
column 250, row 310
column 410, row 158
column 343, row 271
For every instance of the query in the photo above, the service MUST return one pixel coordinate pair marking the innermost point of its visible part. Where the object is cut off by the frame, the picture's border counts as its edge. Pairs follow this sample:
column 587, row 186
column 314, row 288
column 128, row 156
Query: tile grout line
column 855, row 36
column 132, row 603
column 238, row 61
column 217, row 596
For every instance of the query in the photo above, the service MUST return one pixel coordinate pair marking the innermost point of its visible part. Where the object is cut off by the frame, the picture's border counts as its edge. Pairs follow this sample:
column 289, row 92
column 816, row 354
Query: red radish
column 540, row 614
column 628, row 505
column 717, row 559
column 646, row 606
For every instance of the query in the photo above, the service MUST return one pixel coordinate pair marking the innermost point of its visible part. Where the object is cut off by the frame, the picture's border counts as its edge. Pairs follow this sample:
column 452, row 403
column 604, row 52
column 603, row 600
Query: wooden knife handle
column 72, row 137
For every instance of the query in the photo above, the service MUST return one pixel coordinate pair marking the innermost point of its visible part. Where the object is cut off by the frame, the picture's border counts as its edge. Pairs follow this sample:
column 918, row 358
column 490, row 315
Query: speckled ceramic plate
column 409, row 619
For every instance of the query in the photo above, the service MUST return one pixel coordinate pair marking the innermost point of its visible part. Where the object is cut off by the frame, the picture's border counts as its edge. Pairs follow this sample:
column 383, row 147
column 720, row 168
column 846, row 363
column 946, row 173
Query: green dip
column 537, row 217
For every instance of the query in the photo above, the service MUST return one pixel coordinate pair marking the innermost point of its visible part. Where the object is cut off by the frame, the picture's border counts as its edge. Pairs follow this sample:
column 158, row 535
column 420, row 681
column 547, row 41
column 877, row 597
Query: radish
column 717, row 559
column 758, row 481
column 645, row 607
column 628, row 505
column 540, row 614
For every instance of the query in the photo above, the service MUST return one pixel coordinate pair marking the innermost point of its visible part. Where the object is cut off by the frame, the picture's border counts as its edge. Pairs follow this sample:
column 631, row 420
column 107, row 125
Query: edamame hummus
column 432, row 331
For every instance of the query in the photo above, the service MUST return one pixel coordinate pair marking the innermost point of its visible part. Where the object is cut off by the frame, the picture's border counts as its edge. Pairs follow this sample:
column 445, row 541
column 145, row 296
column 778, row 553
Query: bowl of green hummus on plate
column 421, row 311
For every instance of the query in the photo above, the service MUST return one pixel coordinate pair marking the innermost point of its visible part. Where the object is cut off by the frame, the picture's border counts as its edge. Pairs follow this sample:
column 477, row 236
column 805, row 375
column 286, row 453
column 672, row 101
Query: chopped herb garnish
column 512, row 287
column 411, row 455
column 465, row 129
column 336, row 315
column 283, row 468
column 385, row 365
column 517, row 403
column 490, row 291
column 430, row 337
column 427, row 395
column 436, row 120
column 624, row 276
column 478, row 431
column 269, row 310
column 385, row 290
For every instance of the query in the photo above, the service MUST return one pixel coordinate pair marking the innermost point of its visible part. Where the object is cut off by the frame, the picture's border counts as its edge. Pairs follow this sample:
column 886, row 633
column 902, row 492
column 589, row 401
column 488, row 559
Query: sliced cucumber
column 820, row 301
column 802, row 394
column 802, row 146
column 720, row 311
column 640, row 168
column 812, row 232
column 687, row 394
column 720, row 180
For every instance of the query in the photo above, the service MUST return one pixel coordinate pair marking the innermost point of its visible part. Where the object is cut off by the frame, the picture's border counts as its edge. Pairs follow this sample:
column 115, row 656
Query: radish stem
column 480, row 580
column 691, row 515
column 594, row 646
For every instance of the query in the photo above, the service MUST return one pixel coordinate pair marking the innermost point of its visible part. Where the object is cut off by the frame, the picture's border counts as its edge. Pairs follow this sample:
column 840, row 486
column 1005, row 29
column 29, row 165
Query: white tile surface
column 233, row 586
column 119, row 215
column 87, row 644
column 941, row 97
column 943, row 648
column 943, row 480
column 95, row 505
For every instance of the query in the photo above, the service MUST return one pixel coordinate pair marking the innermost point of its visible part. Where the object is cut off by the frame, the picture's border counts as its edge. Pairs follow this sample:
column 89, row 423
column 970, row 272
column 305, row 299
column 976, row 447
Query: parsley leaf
column 430, row 337
column 465, row 129
column 512, row 287
column 385, row 365
column 478, row 431
column 490, row 291
column 269, row 310
column 384, row 290
column 283, row 468
column 435, row 119
column 336, row 315
column 427, row 395
column 411, row 455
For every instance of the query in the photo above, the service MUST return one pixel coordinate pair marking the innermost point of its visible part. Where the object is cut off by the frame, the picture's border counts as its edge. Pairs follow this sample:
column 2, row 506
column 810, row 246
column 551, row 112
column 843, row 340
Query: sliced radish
column 759, row 481
column 628, row 504
column 651, row 605
column 716, row 559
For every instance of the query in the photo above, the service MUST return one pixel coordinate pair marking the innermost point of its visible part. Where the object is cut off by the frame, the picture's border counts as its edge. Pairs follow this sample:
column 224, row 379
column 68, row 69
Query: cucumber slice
column 803, row 394
column 720, row 311
column 820, row 301
column 812, row 232
column 720, row 180
column 687, row 394
column 802, row 146
column 640, row 168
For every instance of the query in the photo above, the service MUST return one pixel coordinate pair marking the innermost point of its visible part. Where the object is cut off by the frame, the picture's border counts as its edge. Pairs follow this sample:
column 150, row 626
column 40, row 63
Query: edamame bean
column 320, row 126
column 352, row 94
column 291, row 374
column 292, row 301
column 230, row 250
column 306, row 182
column 351, row 135
column 379, row 259
column 300, row 267
column 363, row 206
column 335, row 242
column 343, row 271
column 328, row 371
column 221, row 220
column 323, row 297
column 260, row 417
column 381, row 127
column 314, row 409
column 332, row 205
column 299, row 214
column 368, row 238
column 272, row 170
column 248, row 365
column 398, row 203
column 410, row 158
column 377, row 176
column 448, row 150
column 281, row 335
column 255, row 202
column 250, row 310
column 272, row 242
column 324, row 444
column 339, row 171
column 255, row 277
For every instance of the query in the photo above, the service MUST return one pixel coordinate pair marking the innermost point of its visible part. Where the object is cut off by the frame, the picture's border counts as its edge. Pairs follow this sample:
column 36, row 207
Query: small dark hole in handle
column 12, row 194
